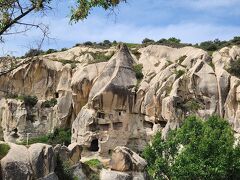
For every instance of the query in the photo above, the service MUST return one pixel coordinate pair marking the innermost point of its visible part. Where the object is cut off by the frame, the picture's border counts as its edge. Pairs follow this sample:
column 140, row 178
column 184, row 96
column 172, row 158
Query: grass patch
column 64, row 62
column 99, row 57
column 41, row 139
column 179, row 73
column 94, row 163
column 4, row 148
column 132, row 45
column 181, row 59
column 60, row 136
column 49, row 103
column 234, row 68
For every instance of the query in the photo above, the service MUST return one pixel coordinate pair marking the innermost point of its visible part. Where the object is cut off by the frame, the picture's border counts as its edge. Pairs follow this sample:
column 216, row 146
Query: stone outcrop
column 71, row 154
column 104, row 103
column 109, row 112
column 124, row 159
column 36, row 162
column 16, row 164
column 42, row 160
column 114, row 175
column 125, row 164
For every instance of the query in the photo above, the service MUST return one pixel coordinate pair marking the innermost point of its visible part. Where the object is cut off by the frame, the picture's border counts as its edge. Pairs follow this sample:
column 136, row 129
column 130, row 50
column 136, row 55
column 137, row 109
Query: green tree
column 234, row 68
column 147, row 41
column 198, row 150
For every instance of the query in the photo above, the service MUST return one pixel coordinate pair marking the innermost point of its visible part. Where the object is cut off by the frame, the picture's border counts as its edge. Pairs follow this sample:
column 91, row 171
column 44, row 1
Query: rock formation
column 107, row 106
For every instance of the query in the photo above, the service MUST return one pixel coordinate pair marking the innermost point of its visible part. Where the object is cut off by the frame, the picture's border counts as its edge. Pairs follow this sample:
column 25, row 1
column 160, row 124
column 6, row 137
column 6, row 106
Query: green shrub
column 49, row 103
column 147, row 41
column 60, row 136
column 29, row 101
column 138, row 71
column 181, row 59
column 63, row 170
column 94, row 163
column 197, row 150
column 236, row 40
column 234, row 68
column 136, row 53
column 49, row 51
column 179, row 73
column 11, row 96
column 191, row 105
column 64, row 49
column 174, row 40
column 107, row 43
column 100, row 57
column 34, row 52
column 4, row 148
column 88, row 43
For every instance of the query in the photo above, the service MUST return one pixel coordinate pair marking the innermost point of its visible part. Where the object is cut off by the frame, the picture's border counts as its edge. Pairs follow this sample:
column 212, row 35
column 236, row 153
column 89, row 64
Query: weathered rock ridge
column 104, row 103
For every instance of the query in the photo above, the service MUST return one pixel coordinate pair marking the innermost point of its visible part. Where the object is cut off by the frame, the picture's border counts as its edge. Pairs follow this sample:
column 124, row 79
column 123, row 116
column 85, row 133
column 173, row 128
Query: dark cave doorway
column 94, row 145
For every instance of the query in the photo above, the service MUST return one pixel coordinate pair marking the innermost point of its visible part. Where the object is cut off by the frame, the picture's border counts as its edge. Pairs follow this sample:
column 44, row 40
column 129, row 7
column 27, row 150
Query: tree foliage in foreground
column 13, row 12
column 198, row 150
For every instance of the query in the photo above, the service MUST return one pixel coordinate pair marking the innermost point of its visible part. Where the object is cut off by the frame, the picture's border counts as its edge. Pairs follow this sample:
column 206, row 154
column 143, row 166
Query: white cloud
column 98, row 29
column 206, row 4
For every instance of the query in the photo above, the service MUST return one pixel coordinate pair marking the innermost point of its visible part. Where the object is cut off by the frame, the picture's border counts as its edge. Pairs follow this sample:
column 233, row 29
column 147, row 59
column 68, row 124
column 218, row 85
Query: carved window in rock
column 104, row 127
column 117, row 125
column 93, row 127
column 148, row 124
column 100, row 115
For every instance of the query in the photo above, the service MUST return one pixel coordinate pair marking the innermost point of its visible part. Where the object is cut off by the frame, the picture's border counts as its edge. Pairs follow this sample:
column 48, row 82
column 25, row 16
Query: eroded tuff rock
column 108, row 114
column 42, row 160
column 105, row 105
column 16, row 164
column 22, row 163
column 124, row 159
column 39, row 161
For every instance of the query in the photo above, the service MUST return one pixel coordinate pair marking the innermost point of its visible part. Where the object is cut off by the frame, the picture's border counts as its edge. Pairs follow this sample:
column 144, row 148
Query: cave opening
column 94, row 145
column 56, row 95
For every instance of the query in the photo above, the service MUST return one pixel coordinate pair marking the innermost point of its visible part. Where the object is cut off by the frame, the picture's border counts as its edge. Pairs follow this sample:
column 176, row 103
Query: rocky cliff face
column 104, row 103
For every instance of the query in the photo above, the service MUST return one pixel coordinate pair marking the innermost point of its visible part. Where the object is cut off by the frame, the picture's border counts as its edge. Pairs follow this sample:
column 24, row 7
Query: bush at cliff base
column 200, row 149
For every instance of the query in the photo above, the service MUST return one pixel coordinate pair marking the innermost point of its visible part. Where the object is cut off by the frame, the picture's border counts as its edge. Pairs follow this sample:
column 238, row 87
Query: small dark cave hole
column 15, row 133
column 94, row 145
column 56, row 95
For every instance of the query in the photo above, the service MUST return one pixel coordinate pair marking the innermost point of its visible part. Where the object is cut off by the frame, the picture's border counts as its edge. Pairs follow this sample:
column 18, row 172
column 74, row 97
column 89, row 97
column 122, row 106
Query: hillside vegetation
column 198, row 150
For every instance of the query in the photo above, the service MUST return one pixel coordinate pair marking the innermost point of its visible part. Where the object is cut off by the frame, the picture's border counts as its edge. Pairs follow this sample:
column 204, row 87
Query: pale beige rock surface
column 105, row 105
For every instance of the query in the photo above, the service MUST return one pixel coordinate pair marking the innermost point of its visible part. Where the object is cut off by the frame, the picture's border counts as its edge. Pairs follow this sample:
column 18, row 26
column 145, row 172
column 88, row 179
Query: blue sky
column 190, row 20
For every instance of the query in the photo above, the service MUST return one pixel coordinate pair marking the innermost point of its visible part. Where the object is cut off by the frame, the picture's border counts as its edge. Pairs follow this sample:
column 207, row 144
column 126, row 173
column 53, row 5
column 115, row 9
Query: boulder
column 75, row 153
column 51, row 176
column 123, row 159
column 71, row 154
column 42, row 159
column 114, row 175
column 16, row 164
